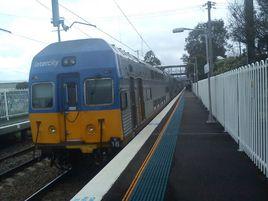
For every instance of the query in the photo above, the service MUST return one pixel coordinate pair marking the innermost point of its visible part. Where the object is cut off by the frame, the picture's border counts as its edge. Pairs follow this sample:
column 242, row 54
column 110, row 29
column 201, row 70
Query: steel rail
column 28, row 149
column 41, row 191
column 18, row 168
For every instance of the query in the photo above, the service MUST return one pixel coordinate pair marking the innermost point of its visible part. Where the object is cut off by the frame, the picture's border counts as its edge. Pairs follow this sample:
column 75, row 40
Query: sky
column 30, row 24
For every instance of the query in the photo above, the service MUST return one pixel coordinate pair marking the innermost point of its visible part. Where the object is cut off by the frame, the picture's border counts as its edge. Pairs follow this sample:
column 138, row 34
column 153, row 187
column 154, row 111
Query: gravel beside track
column 16, row 161
column 74, row 182
column 23, row 184
column 15, row 147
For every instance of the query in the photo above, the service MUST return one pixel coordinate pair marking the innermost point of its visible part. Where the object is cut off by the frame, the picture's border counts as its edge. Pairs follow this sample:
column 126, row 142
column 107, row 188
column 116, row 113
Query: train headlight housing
column 90, row 129
column 52, row 129
column 68, row 61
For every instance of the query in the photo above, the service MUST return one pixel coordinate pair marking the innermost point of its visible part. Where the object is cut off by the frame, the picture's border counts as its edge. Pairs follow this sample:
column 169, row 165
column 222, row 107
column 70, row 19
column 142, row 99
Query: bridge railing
column 13, row 103
column 240, row 104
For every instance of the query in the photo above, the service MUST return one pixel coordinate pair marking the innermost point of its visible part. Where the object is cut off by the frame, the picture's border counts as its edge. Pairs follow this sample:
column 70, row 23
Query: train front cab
column 74, row 113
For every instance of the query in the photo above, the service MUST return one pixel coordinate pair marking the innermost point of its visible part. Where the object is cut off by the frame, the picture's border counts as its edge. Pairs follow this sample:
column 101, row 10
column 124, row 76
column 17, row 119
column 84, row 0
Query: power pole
column 250, row 29
column 56, row 17
column 209, row 5
column 196, row 71
column 240, row 52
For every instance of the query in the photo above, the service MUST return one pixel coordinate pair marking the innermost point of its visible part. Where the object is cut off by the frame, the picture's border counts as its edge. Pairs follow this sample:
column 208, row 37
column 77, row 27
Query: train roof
column 125, row 54
column 75, row 46
column 84, row 46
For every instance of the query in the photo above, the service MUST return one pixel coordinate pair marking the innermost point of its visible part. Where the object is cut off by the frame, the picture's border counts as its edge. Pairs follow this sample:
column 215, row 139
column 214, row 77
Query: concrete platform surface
column 14, row 124
column 107, row 177
column 207, row 166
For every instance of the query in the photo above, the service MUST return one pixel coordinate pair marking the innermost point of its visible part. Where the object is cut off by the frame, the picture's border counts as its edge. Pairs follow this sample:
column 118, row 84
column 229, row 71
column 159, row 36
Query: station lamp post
column 209, row 62
column 179, row 30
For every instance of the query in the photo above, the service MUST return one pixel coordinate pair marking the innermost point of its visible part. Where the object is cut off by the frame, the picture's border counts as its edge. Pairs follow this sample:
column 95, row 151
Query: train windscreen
column 99, row 91
column 42, row 96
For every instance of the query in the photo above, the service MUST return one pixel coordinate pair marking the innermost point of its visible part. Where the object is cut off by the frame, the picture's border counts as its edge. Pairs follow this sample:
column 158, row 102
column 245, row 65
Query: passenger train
column 87, row 95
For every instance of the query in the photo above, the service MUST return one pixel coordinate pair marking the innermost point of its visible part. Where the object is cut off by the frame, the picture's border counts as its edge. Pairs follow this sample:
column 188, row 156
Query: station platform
column 183, row 159
column 207, row 165
column 14, row 124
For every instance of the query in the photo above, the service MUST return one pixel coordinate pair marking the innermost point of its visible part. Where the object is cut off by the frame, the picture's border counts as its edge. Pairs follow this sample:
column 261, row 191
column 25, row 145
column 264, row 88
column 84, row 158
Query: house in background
column 9, row 85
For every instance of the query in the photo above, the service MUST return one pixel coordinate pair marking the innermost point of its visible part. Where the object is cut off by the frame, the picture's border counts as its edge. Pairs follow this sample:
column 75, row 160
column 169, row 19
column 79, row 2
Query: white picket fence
column 240, row 103
column 13, row 103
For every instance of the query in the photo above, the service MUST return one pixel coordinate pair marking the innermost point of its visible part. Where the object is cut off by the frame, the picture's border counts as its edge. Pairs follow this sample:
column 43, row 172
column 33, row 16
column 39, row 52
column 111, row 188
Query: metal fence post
column 6, row 106
column 244, row 103
column 238, row 88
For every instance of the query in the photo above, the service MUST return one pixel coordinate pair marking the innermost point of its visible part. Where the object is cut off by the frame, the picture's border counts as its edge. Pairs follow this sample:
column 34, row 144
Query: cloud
column 154, row 19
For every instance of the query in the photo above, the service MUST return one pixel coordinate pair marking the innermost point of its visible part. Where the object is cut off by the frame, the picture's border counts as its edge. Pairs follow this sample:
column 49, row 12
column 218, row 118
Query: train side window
column 148, row 94
column 124, row 100
column 130, row 68
column 99, row 91
column 167, row 90
column 152, row 74
column 42, row 95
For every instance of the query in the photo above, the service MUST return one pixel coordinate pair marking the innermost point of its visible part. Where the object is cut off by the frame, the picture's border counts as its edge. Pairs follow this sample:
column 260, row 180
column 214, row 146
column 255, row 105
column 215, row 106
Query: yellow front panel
column 47, row 119
column 76, row 126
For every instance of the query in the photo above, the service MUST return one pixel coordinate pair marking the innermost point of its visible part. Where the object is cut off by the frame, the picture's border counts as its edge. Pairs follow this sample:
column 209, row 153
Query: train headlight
column 90, row 129
column 52, row 129
column 68, row 61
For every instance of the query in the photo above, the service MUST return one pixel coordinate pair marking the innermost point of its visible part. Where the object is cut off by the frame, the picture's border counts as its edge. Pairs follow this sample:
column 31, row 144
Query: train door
column 141, row 99
column 133, row 102
column 69, row 98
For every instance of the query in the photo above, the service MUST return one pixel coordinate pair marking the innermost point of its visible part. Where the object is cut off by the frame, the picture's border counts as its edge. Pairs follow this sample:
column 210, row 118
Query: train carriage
column 87, row 95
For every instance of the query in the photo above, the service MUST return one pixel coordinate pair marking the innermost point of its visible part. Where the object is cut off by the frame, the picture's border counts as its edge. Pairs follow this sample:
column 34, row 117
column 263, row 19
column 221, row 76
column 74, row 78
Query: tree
column 150, row 58
column 250, row 30
column 263, row 4
column 196, row 46
column 22, row 85
column 237, row 21
column 250, row 27
column 262, row 29
column 229, row 63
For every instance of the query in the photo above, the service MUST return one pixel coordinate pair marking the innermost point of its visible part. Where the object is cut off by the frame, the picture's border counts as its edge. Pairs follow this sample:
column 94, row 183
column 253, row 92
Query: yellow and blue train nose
column 84, row 130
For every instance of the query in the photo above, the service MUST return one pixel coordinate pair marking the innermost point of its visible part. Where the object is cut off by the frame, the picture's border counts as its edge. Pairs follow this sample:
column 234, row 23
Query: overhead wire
column 162, row 13
column 23, row 36
column 133, row 26
column 102, row 31
column 99, row 29
column 46, row 7
column 22, row 16
column 29, row 38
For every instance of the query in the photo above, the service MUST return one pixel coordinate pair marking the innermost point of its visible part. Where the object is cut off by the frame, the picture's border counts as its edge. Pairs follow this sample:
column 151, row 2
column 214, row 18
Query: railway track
column 18, row 168
column 16, row 162
column 21, row 152
column 40, row 192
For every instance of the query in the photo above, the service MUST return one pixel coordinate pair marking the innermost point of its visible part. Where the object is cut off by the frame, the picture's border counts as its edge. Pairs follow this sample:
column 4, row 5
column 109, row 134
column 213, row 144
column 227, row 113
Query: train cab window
column 99, row 91
column 124, row 101
column 42, row 95
column 71, row 94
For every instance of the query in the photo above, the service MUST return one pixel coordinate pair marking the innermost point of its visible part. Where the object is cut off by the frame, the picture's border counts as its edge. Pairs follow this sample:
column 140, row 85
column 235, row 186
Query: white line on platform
column 15, row 124
column 103, row 181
